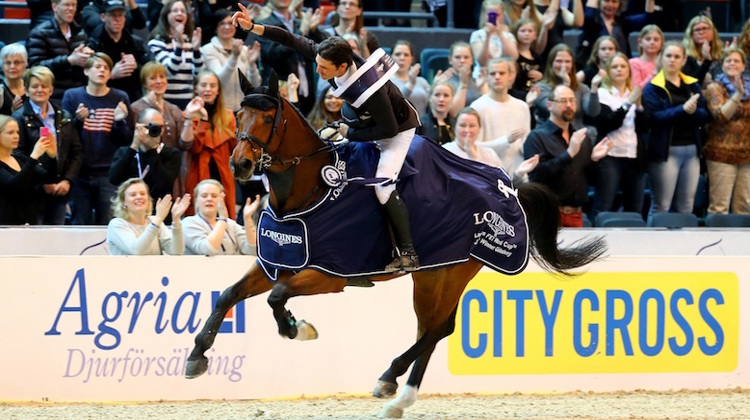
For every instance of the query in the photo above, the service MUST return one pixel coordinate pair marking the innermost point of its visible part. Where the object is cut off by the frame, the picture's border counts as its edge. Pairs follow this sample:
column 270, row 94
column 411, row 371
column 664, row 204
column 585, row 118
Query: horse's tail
column 543, row 216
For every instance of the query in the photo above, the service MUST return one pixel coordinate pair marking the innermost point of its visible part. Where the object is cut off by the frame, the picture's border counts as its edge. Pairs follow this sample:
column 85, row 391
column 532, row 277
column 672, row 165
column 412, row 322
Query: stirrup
column 405, row 263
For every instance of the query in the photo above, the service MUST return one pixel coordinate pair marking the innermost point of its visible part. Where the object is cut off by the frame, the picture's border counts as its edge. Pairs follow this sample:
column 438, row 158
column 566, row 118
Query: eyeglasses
column 565, row 100
column 13, row 63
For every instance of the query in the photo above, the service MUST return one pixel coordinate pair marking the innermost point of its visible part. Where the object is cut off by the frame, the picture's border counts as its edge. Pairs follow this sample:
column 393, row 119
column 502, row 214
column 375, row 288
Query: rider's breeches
column 392, row 155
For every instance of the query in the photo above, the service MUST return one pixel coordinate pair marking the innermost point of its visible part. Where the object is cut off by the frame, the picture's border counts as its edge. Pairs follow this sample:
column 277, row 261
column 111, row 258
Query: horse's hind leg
column 251, row 284
column 307, row 282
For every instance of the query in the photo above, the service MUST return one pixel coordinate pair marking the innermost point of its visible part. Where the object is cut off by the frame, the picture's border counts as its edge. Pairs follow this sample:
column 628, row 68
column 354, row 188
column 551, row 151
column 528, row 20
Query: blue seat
column 727, row 220
column 619, row 219
column 432, row 60
column 673, row 220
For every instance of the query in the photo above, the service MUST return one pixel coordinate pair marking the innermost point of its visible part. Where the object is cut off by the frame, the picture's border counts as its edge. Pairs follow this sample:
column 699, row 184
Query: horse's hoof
column 384, row 389
column 391, row 412
column 196, row 368
column 305, row 331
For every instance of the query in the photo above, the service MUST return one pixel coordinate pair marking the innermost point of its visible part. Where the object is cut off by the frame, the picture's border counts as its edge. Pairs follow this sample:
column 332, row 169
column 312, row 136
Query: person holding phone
column 677, row 109
column 492, row 39
column 39, row 119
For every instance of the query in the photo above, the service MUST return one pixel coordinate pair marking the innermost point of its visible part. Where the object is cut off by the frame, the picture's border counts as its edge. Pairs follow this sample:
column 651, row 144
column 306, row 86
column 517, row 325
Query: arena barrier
column 100, row 328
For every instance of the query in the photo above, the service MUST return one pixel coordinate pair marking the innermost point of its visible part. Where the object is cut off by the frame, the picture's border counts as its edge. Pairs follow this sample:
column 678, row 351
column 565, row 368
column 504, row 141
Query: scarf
column 731, row 88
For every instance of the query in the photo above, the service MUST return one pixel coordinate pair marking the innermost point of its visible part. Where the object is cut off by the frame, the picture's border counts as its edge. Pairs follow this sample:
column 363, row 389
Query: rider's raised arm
column 299, row 43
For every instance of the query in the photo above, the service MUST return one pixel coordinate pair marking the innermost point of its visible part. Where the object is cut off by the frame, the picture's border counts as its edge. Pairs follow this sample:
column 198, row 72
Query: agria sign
column 141, row 314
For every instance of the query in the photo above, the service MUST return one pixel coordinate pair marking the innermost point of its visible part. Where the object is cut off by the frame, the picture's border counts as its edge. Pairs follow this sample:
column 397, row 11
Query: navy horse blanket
column 458, row 209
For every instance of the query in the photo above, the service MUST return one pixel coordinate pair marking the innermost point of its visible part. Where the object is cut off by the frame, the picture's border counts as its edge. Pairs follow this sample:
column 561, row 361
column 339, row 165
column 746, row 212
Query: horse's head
column 260, row 128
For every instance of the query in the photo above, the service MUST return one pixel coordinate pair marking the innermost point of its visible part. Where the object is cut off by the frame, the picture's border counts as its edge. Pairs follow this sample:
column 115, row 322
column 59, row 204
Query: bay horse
column 275, row 137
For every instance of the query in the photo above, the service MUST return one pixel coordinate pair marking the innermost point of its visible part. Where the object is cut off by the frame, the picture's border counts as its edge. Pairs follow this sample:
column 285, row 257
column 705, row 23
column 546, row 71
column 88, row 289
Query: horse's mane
column 263, row 98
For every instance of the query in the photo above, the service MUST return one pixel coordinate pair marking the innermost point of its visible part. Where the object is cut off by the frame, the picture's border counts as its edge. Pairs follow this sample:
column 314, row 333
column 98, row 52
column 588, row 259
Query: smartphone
column 43, row 132
column 492, row 17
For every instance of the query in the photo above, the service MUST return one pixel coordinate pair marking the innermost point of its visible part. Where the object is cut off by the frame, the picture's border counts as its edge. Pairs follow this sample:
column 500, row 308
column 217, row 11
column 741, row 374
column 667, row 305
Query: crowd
column 99, row 126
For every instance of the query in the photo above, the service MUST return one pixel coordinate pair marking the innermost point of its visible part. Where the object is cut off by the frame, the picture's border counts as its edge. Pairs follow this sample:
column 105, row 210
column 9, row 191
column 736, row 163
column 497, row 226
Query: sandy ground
column 633, row 405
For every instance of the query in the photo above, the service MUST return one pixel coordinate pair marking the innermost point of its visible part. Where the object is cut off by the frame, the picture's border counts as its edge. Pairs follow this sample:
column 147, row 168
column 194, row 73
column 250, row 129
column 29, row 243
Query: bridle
column 266, row 160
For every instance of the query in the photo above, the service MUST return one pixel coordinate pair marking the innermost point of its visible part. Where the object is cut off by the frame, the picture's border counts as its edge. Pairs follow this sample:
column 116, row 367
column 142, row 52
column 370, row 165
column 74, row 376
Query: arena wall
column 100, row 328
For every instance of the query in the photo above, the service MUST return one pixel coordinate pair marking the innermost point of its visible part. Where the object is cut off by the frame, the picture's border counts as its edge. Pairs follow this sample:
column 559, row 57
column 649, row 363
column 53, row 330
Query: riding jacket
column 388, row 112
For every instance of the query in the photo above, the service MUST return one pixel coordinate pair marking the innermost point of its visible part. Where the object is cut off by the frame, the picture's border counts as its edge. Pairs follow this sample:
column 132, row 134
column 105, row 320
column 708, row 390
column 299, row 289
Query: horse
column 275, row 137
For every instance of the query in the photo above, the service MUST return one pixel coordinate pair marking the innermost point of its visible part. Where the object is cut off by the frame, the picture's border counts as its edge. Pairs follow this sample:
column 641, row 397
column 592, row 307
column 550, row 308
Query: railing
column 429, row 17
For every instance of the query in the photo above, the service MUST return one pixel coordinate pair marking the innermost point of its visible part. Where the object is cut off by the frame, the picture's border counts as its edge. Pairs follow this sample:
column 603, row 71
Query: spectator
column 643, row 67
column 101, row 119
column 605, row 18
column 91, row 14
column 283, row 60
column 604, row 48
column 529, row 61
column 147, row 157
column 127, row 51
column 228, row 57
column 211, row 232
column 492, row 39
column 525, row 10
column 677, row 112
column 624, row 123
column 505, row 136
column 565, row 155
column 210, row 133
column 327, row 110
column 12, row 90
column 175, row 42
column 348, row 19
column 154, row 82
column 561, row 70
column 465, row 88
column 437, row 123
column 134, row 231
column 727, row 151
column 703, row 46
column 563, row 18
column 357, row 46
column 468, row 124
column 21, row 177
column 60, row 45
column 412, row 86
column 38, row 113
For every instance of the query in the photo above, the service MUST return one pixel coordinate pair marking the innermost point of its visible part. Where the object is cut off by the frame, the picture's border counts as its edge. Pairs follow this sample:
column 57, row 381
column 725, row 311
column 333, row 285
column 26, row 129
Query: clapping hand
column 635, row 95
column 237, row 45
column 82, row 112
column 17, row 102
column 691, row 105
column 195, row 109
column 121, row 111
column 576, row 140
column 163, row 205
column 414, row 73
column 601, row 149
column 516, row 135
column 253, row 54
column 196, row 39
column 532, row 95
column 564, row 75
column 527, row 166
column 223, row 213
column 179, row 207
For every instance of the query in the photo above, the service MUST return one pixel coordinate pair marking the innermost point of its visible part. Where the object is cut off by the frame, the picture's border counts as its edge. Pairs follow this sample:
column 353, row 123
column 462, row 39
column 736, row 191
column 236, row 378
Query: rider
column 385, row 117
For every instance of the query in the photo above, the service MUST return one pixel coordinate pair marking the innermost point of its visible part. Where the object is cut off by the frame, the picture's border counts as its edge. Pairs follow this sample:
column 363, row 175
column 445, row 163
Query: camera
column 154, row 130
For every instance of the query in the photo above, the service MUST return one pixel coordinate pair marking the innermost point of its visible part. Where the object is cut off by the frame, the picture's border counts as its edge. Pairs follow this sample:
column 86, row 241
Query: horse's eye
column 268, row 120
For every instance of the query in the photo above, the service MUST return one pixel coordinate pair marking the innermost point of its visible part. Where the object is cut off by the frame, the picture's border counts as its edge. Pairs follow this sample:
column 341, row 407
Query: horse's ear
column 245, row 85
column 273, row 84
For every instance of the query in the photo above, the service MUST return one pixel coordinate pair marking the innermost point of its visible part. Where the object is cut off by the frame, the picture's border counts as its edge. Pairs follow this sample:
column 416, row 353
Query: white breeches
column 392, row 154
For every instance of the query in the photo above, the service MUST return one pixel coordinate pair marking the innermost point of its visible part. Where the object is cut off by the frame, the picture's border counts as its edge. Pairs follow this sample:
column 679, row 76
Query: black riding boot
column 398, row 217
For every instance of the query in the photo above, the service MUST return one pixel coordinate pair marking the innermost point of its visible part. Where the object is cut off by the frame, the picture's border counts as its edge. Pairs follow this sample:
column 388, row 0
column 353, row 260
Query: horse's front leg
column 252, row 283
column 307, row 282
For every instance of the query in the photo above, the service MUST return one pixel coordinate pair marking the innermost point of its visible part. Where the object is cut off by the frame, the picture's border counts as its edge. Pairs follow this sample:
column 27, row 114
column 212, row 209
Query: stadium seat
column 432, row 60
column 727, row 220
column 619, row 219
column 673, row 220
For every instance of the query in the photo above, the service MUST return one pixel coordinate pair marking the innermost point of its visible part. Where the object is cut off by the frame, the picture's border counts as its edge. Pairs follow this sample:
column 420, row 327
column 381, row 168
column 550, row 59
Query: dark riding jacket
column 387, row 108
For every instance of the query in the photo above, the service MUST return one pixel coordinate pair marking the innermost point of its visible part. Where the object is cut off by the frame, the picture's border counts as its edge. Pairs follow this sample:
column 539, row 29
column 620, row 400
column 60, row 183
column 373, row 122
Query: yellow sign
column 597, row 323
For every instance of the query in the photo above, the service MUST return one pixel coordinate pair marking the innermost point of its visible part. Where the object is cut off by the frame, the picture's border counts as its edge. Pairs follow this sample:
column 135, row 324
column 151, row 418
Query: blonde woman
column 210, row 231
column 134, row 231
column 704, row 48
column 492, row 39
